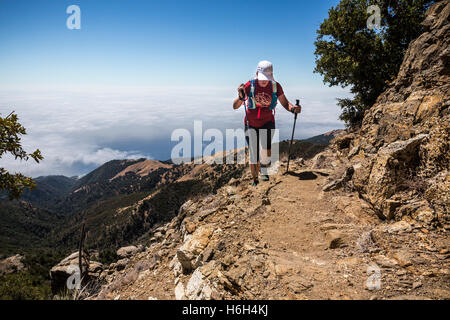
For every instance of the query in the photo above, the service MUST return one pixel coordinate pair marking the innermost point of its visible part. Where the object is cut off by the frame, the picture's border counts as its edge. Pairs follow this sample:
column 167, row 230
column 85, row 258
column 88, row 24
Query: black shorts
column 264, row 136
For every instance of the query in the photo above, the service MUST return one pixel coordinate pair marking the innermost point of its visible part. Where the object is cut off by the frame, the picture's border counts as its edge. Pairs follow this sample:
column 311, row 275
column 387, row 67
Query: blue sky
column 157, row 42
column 114, row 88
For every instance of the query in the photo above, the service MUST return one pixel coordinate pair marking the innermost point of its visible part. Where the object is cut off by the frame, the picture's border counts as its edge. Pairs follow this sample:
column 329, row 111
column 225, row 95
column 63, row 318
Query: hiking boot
column 254, row 183
column 264, row 177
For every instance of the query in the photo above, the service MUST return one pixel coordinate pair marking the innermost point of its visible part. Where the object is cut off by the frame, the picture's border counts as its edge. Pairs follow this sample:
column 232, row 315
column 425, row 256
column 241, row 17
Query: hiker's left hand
column 296, row 109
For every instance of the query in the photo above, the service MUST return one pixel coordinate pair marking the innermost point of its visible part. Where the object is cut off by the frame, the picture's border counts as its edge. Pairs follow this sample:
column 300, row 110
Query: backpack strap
column 251, row 97
column 274, row 96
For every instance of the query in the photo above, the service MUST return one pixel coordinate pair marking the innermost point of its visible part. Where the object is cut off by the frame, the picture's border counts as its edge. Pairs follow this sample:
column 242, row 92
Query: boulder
column 401, row 152
column 11, row 264
column 67, row 267
column 126, row 252
column 198, row 287
column 341, row 182
column 190, row 253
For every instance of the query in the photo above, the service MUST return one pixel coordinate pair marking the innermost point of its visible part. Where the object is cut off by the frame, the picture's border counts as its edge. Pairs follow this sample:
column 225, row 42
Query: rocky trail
column 285, row 239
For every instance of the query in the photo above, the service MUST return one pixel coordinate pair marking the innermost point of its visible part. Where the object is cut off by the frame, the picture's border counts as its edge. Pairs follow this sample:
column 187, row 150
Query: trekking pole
column 292, row 138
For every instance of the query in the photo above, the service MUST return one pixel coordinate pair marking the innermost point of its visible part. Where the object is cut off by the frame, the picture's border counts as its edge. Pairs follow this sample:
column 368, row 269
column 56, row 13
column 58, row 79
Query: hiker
column 262, row 95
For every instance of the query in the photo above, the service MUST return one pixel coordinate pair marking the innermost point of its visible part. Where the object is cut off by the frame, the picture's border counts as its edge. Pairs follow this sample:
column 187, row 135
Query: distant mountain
column 24, row 226
column 49, row 189
column 105, row 172
column 325, row 138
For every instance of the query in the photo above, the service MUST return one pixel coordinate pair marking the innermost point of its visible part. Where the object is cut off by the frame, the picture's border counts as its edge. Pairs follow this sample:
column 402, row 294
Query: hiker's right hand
column 241, row 91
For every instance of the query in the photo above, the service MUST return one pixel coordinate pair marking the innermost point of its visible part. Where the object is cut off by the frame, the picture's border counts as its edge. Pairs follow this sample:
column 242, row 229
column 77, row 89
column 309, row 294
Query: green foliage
column 10, row 142
column 49, row 191
column 23, row 286
column 108, row 256
column 24, row 226
column 33, row 283
column 349, row 54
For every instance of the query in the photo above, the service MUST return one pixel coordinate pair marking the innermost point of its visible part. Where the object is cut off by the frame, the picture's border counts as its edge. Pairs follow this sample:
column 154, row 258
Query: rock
column 299, row 285
column 121, row 264
column 425, row 215
column 126, row 252
column 208, row 253
column 365, row 241
column 319, row 161
column 190, row 253
column 64, row 269
column 205, row 213
column 416, row 284
column 265, row 201
column 198, row 288
column 11, row 265
column 190, row 226
column 343, row 141
column 179, row 292
column 177, row 269
column 385, row 262
column 403, row 258
column 398, row 227
column 230, row 191
column 337, row 239
column 385, row 173
column 339, row 183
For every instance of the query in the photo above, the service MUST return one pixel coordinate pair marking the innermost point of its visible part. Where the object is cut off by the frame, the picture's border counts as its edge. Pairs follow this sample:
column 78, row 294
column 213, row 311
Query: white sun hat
column 264, row 71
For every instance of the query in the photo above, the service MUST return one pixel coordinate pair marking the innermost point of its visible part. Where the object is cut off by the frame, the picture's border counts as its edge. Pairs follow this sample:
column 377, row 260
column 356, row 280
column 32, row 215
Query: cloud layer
column 78, row 130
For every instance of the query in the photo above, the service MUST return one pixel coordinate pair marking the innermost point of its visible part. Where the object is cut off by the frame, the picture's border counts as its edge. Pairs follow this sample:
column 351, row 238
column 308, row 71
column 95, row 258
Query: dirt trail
column 299, row 229
column 324, row 246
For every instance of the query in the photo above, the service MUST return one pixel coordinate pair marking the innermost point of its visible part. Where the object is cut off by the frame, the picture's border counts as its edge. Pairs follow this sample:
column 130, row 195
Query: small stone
column 400, row 272
column 179, row 291
column 125, row 252
column 428, row 274
column 416, row 284
column 190, row 227
column 337, row 239
column 403, row 257
column 265, row 201
column 385, row 261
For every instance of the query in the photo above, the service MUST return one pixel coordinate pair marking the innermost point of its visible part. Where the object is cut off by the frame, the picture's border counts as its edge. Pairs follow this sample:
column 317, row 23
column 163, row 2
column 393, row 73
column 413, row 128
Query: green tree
column 10, row 142
column 349, row 54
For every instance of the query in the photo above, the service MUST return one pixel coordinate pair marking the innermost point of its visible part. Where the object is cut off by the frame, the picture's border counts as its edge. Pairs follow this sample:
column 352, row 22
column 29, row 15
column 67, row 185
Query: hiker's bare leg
column 254, row 168
column 265, row 163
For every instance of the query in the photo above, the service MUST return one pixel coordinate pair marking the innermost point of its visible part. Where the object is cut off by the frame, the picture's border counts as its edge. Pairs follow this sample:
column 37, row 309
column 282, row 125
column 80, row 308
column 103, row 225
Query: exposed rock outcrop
column 401, row 153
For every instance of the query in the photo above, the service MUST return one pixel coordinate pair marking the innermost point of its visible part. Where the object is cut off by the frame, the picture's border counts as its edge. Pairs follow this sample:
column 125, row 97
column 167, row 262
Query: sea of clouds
column 78, row 130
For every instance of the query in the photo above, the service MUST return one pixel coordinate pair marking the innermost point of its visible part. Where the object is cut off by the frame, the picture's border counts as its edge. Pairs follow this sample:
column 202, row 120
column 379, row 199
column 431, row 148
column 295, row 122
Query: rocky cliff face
column 401, row 153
